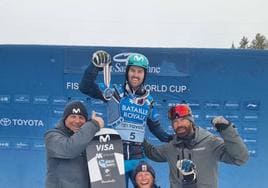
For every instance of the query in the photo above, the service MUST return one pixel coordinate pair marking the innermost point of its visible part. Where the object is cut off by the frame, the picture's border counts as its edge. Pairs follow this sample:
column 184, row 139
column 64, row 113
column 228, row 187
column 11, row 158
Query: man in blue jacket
column 130, row 108
column 66, row 145
column 194, row 152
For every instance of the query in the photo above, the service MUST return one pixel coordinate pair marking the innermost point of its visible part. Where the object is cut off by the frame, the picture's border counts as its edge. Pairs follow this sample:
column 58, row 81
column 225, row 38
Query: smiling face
column 182, row 127
column 144, row 180
column 135, row 76
column 75, row 122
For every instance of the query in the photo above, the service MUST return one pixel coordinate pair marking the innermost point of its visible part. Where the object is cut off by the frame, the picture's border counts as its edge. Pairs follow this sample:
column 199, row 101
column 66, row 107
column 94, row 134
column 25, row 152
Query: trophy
column 102, row 59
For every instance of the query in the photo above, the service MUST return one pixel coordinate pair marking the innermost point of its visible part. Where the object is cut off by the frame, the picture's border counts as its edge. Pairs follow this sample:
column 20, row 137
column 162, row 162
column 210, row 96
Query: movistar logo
column 138, row 57
column 105, row 138
column 121, row 60
column 76, row 111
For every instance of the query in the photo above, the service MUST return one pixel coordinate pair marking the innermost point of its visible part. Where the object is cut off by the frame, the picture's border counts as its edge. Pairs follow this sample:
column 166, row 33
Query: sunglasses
column 179, row 111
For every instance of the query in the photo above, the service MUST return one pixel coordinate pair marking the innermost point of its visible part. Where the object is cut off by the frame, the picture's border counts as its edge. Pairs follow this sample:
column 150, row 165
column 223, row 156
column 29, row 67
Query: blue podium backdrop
column 37, row 81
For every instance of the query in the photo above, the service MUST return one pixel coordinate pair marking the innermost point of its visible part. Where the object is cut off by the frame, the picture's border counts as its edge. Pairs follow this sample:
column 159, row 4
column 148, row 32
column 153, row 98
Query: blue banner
column 37, row 81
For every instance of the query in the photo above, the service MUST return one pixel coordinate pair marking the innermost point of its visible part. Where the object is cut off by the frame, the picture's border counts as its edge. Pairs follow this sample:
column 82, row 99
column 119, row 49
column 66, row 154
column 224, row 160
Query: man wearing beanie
column 144, row 176
column 194, row 152
column 65, row 147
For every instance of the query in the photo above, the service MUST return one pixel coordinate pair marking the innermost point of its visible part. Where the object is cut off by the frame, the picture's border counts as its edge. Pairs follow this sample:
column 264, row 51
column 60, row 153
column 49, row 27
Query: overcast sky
column 133, row 23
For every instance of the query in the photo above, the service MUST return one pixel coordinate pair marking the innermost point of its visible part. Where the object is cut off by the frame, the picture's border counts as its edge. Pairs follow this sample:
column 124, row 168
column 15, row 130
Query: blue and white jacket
column 128, row 113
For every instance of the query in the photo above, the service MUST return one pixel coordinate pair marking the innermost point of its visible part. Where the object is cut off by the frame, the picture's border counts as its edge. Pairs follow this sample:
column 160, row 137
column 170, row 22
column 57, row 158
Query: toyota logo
column 5, row 122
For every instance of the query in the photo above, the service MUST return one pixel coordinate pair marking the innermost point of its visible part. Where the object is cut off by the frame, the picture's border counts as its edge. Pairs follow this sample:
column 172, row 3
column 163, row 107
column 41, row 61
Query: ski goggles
column 179, row 111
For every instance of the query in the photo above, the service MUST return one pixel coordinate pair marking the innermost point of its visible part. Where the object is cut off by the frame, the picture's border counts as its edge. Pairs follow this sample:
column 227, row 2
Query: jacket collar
column 61, row 126
column 199, row 135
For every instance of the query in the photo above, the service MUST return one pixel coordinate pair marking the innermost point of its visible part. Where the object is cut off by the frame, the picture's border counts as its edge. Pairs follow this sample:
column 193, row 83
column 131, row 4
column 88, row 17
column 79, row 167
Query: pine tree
column 233, row 46
column 260, row 42
column 244, row 43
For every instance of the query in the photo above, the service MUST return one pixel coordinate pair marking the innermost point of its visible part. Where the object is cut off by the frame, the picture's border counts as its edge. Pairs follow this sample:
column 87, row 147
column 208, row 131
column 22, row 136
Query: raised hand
column 98, row 119
column 101, row 58
column 220, row 123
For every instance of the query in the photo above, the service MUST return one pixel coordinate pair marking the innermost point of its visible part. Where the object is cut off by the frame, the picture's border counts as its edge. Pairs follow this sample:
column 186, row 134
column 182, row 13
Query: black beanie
column 143, row 167
column 75, row 107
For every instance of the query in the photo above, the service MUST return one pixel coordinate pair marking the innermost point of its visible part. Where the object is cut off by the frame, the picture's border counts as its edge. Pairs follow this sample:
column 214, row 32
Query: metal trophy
column 102, row 59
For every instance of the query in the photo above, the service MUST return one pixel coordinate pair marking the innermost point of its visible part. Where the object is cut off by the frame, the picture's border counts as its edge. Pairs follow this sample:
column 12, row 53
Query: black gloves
column 220, row 123
column 100, row 58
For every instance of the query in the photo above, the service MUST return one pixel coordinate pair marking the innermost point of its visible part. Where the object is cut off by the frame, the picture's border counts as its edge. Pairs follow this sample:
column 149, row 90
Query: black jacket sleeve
column 157, row 131
column 87, row 84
